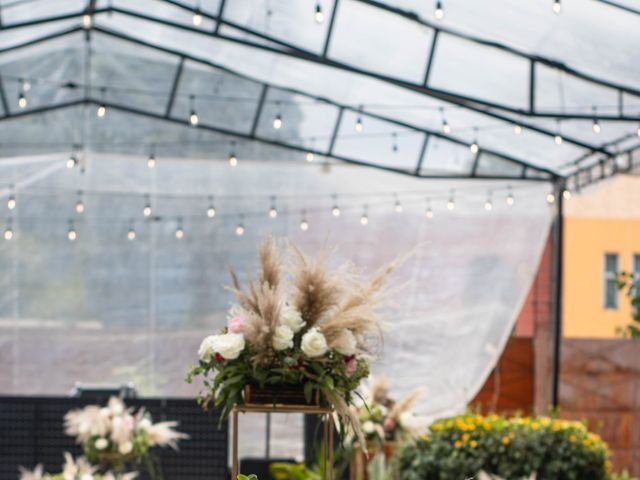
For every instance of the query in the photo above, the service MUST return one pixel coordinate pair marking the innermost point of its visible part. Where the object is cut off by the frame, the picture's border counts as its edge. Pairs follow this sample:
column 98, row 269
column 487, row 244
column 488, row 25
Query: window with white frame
column 610, row 286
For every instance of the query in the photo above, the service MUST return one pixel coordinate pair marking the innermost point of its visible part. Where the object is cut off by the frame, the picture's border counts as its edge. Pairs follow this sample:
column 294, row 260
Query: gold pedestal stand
column 327, row 431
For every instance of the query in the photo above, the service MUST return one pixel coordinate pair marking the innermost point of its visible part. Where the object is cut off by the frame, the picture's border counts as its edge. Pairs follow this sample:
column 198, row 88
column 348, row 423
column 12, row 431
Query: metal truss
column 527, row 169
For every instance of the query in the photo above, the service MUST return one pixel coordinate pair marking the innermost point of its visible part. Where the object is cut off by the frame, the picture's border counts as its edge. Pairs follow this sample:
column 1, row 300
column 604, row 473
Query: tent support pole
column 558, row 239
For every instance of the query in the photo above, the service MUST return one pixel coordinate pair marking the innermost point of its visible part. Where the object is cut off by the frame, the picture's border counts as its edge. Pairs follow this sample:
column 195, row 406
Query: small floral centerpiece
column 300, row 326
column 115, row 436
column 74, row 469
column 385, row 420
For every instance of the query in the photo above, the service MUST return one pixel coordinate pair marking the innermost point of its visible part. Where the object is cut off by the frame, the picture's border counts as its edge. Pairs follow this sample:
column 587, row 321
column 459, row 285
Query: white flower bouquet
column 298, row 326
column 75, row 469
column 114, row 436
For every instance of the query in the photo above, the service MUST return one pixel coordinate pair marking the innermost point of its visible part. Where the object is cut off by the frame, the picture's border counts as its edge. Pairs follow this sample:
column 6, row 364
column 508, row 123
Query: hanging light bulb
column 277, row 121
column 318, row 15
column 429, row 211
column 79, row 204
column 179, row 230
column 86, row 21
column 596, row 126
column 71, row 233
column 359, row 126
column 397, row 206
column 22, row 100
column 446, row 129
column 233, row 160
column 558, row 139
column 510, row 199
column 335, row 210
column 8, row 233
column 439, row 11
column 102, row 110
column 240, row 229
column 566, row 194
column 556, row 7
column 551, row 198
column 273, row 211
column 364, row 219
column 517, row 129
column 151, row 161
column 193, row 115
column 451, row 203
column 146, row 211
column 131, row 234
column 488, row 204
column 304, row 225
column 310, row 157
column 11, row 202
column 72, row 161
column 197, row 18
column 211, row 210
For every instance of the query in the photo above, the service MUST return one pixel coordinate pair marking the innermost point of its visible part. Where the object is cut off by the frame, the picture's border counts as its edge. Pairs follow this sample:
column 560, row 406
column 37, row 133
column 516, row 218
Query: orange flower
column 458, row 444
column 465, row 437
column 473, row 444
column 505, row 440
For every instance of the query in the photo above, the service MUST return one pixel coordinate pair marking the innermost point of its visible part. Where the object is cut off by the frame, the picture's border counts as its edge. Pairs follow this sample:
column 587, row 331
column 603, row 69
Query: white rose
column 291, row 317
column 282, row 338
column 368, row 427
column 229, row 345
column 101, row 443
column 345, row 343
column 125, row 448
column 207, row 348
column 313, row 343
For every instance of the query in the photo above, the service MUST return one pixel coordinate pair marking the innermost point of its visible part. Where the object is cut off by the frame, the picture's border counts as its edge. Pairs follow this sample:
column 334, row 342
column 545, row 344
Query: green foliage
column 460, row 447
column 631, row 287
column 622, row 476
column 247, row 477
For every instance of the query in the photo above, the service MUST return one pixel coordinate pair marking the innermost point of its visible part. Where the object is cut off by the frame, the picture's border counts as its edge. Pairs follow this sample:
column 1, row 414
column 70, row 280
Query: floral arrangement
column 511, row 448
column 115, row 436
column 386, row 420
column 297, row 324
column 74, row 469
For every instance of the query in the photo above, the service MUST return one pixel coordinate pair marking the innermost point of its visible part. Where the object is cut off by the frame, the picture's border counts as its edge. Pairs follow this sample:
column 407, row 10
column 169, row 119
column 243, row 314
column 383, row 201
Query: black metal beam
column 432, row 51
column 256, row 117
column 44, row 38
column 3, row 99
column 625, row 8
column 474, row 166
column 423, row 149
column 558, row 259
column 174, row 87
column 327, row 40
column 220, row 15
column 532, row 87
column 398, row 123
column 334, row 134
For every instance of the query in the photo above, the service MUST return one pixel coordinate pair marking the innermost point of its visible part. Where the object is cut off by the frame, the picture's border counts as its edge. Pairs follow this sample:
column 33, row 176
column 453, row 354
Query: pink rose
column 389, row 424
column 236, row 325
column 351, row 364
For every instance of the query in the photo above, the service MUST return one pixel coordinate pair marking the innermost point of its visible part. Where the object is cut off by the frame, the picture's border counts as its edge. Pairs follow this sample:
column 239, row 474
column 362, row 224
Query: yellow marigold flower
column 473, row 444
column 458, row 444
column 465, row 437
column 545, row 421
column 535, row 426
column 505, row 440
column 512, row 434
column 572, row 438
column 486, row 426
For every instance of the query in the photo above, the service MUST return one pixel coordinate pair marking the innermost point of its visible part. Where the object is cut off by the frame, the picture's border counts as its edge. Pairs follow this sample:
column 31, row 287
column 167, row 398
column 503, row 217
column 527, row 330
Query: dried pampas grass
column 404, row 405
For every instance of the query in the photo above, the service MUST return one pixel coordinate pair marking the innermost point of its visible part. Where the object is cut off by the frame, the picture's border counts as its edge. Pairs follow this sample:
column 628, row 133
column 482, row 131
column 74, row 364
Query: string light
column 556, row 7
column 79, row 204
column 273, row 211
column 233, row 160
column 517, row 129
column 8, row 232
column 397, row 205
column 146, row 211
column 102, row 108
column 72, row 235
column 446, row 129
column 474, row 146
column 335, row 210
column 566, row 194
column 197, row 18
column 211, row 210
column 151, row 161
column 451, row 203
column 428, row 212
column 364, row 219
column 11, row 202
column 193, row 116
column 86, row 21
column 488, row 204
column 394, row 142
column 131, row 234
column 558, row 137
column 72, row 161
column 318, row 15
column 551, row 198
column 359, row 126
column 510, row 199
column 304, row 225
column 277, row 121
column 596, row 125
column 439, row 11
column 240, row 229
column 179, row 230
column 310, row 156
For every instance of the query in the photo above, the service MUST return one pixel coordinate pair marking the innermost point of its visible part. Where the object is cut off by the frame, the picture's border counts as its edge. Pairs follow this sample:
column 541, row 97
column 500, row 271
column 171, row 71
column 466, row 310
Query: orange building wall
column 586, row 242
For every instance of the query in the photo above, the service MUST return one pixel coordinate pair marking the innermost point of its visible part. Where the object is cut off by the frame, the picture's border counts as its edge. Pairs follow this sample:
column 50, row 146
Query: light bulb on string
column 72, row 235
column 318, row 15
column 429, row 211
column 451, row 203
column 446, row 128
column 102, row 108
column 22, row 98
column 11, row 202
column 364, row 219
column 488, row 204
column 517, row 128
column 8, row 232
column 72, row 161
column 558, row 137
column 566, row 194
column 151, row 161
column 310, row 156
column 359, row 126
column 146, row 210
column 304, row 225
column 131, row 234
column 240, row 229
column 556, row 7
column 211, row 210
column 474, row 146
column 277, row 121
column 193, row 115
column 510, row 198
column 179, row 233
column 86, row 21
column 233, row 160
column 551, row 198
column 197, row 18
column 439, row 11
column 335, row 210
column 595, row 126
column 397, row 206
column 273, row 211
column 79, row 204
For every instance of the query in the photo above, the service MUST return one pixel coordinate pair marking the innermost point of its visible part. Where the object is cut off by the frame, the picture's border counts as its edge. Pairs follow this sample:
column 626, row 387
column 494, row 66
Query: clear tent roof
column 359, row 81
